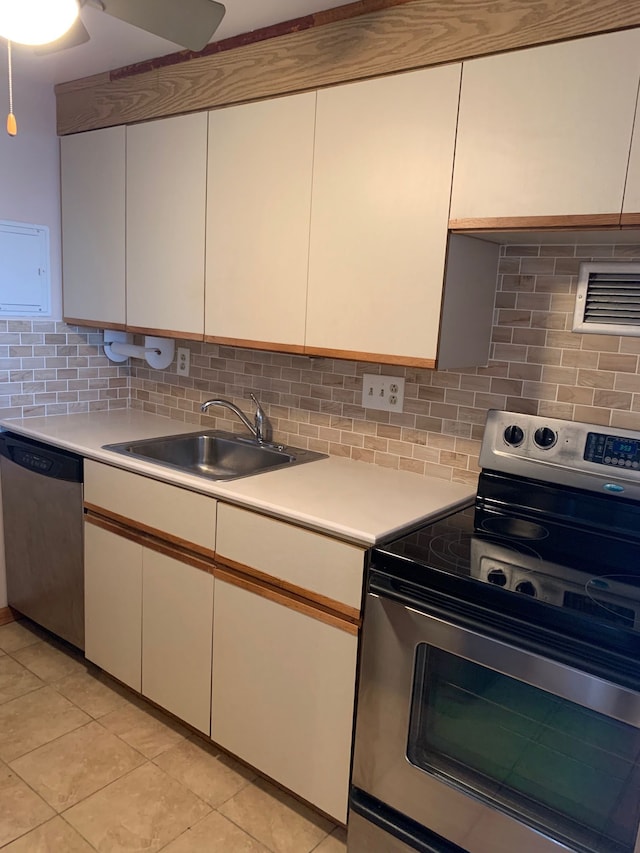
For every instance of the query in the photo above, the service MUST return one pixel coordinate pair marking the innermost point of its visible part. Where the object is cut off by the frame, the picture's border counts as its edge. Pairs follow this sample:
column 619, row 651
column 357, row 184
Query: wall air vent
column 608, row 299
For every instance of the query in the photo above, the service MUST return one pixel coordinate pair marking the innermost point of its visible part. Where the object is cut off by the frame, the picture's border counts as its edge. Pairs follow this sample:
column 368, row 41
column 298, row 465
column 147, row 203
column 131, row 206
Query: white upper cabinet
column 166, row 197
column 631, row 206
column 93, row 226
column 381, row 186
column 546, row 131
column 258, row 210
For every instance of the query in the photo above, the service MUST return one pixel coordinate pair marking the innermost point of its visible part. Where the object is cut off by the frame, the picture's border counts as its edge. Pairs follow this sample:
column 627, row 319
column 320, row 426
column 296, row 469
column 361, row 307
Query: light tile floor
column 86, row 765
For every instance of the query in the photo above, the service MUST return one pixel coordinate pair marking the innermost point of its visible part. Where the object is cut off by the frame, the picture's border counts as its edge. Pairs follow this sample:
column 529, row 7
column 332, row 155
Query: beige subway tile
column 372, row 442
column 387, row 431
column 442, row 472
column 618, row 362
column 591, row 414
column 426, row 454
column 612, row 399
column 549, row 409
column 569, row 394
column 444, row 441
column 627, row 382
column 342, row 450
column 596, row 378
column 625, row 420
column 601, row 343
column 557, row 251
column 533, row 301
column 361, row 454
column 413, row 465
column 579, row 358
column 531, row 372
column 563, row 340
column 387, row 460
column 549, row 320
column 630, row 344
column 545, row 355
column 456, row 460
column 540, row 390
column 559, row 375
column 529, row 337
column 509, row 317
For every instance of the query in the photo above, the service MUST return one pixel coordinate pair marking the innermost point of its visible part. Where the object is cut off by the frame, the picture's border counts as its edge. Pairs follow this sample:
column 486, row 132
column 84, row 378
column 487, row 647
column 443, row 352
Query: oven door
column 493, row 747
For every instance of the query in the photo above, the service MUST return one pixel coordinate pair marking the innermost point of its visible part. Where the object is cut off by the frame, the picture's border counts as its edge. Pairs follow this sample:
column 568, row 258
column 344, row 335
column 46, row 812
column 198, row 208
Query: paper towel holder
column 158, row 352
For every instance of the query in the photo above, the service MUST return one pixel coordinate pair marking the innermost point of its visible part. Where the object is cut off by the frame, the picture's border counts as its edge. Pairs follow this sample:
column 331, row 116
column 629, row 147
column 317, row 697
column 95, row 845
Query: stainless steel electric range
column 499, row 699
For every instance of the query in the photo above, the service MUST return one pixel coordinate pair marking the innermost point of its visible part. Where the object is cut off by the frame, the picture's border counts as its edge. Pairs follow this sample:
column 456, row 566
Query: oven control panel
column 570, row 453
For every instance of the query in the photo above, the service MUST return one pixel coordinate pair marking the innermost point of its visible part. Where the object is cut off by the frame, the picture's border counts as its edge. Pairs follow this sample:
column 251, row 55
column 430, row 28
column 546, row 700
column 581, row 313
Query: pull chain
column 12, row 127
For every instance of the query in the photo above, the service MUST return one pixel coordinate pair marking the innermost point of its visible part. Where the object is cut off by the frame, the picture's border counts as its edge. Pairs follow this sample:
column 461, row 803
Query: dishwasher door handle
column 41, row 459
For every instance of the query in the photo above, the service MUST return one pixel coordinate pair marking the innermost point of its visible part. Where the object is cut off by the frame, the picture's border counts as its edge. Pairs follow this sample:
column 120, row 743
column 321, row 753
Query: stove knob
column 526, row 588
column 497, row 577
column 545, row 437
column 513, row 435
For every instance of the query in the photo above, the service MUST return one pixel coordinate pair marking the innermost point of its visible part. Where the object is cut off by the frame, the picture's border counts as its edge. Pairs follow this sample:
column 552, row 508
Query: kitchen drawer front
column 299, row 560
column 177, row 515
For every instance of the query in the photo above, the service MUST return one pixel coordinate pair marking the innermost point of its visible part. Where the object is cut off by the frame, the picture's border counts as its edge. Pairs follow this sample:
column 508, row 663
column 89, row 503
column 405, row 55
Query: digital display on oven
column 612, row 450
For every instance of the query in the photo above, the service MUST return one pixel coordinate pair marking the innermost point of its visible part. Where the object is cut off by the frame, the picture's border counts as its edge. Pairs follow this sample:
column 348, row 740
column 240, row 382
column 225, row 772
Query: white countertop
column 355, row 501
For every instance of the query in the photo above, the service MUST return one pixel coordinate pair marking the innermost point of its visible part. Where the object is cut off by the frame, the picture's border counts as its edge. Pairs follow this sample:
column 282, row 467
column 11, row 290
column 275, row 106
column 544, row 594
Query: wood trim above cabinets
column 289, row 600
column 143, row 533
column 415, row 34
column 376, row 357
column 95, row 324
column 297, row 349
column 630, row 220
column 536, row 223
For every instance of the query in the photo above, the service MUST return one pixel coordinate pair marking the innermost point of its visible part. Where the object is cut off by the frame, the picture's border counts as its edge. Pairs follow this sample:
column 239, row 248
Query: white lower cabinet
column 113, row 604
column 177, row 614
column 283, row 693
column 148, row 622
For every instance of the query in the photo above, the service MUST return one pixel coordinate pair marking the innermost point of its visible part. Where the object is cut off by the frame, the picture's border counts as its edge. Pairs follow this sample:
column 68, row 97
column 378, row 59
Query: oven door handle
column 414, row 627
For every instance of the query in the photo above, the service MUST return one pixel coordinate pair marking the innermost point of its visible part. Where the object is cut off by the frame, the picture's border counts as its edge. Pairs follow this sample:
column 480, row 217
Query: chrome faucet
column 260, row 426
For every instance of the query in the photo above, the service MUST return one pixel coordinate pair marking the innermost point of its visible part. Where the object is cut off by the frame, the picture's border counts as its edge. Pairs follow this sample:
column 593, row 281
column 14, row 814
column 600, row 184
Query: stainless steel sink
column 214, row 454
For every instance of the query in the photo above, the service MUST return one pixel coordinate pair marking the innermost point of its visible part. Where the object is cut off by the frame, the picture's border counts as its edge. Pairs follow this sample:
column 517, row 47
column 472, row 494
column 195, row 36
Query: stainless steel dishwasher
column 42, row 513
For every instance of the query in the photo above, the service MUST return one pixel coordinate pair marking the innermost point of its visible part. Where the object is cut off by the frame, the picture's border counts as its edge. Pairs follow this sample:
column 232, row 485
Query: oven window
column 571, row 773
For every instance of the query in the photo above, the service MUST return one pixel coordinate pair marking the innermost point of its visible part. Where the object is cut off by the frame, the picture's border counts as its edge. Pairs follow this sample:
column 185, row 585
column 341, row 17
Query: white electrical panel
column 25, row 281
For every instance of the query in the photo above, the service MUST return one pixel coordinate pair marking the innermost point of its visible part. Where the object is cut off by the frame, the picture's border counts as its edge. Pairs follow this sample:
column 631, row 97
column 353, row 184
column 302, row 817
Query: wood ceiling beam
column 364, row 39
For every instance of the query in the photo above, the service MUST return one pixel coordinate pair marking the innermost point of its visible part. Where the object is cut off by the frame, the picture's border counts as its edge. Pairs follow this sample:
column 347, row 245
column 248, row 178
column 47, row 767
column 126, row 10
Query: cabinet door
column 283, row 694
column 381, row 186
column 258, row 210
column 546, row 131
column 113, row 604
column 166, row 189
column 631, row 206
column 93, row 230
column 177, row 607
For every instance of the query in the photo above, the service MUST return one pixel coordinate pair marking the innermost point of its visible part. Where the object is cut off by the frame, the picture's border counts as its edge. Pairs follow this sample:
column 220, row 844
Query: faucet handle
column 260, row 420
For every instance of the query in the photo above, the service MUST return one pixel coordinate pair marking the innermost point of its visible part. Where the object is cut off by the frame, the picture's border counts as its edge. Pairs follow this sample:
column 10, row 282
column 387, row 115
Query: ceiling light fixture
column 36, row 21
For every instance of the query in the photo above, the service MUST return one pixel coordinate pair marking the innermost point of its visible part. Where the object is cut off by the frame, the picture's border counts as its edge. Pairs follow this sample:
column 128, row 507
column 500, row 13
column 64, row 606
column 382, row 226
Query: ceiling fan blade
column 189, row 23
column 74, row 36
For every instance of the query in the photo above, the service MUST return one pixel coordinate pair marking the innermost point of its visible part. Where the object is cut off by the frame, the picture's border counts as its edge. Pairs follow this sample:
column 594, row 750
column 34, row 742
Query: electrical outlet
column 184, row 361
column 382, row 392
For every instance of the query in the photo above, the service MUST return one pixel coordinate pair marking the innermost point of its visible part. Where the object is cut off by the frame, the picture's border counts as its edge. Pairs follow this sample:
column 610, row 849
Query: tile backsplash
column 50, row 368
column 537, row 365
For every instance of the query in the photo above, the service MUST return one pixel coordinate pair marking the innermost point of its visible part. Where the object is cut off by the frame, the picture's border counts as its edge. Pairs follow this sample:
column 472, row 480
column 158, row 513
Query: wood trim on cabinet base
column 165, row 333
column 288, row 599
column 95, row 324
column 297, row 349
column 289, row 595
column 345, row 611
column 536, row 223
column 143, row 533
column 7, row 615
column 375, row 357
column 630, row 220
